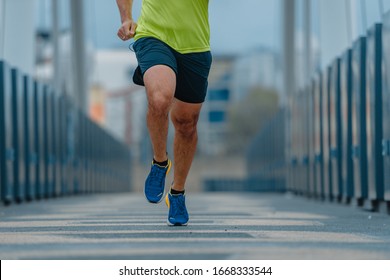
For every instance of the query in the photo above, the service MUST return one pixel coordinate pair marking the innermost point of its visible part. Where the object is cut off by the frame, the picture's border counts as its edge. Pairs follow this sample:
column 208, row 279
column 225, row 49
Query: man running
column 172, row 45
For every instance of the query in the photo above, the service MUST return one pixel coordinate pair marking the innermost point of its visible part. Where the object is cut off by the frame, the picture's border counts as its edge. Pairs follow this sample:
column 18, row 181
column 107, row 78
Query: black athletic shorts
column 192, row 70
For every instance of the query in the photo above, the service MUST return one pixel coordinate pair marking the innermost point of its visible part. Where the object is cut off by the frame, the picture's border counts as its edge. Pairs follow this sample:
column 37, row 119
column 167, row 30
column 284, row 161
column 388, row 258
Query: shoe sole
column 163, row 195
column 176, row 225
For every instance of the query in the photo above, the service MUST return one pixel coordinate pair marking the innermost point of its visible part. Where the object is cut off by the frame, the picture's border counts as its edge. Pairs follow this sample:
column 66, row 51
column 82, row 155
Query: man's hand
column 127, row 30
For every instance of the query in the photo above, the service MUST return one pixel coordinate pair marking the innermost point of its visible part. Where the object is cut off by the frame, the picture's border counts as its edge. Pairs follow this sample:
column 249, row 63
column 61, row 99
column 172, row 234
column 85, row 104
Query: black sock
column 175, row 192
column 163, row 163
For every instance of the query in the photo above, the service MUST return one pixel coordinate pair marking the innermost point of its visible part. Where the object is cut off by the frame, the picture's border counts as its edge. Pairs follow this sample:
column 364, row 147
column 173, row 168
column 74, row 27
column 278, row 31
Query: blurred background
column 263, row 50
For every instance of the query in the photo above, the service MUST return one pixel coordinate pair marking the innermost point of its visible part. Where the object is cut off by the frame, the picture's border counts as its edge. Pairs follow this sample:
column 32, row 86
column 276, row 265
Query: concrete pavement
column 222, row 226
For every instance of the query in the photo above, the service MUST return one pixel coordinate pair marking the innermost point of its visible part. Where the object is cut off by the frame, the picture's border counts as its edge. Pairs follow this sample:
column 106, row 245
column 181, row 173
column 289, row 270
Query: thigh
column 192, row 76
column 157, row 69
column 151, row 52
column 160, row 83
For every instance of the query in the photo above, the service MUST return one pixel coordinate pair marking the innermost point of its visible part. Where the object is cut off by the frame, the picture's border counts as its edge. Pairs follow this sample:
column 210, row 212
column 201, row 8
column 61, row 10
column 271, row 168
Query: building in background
column 124, row 102
column 258, row 68
column 213, row 119
column 44, row 60
column 231, row 79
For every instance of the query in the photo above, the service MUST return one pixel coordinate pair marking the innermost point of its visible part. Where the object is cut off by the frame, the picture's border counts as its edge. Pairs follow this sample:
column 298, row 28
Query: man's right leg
column 160, row 84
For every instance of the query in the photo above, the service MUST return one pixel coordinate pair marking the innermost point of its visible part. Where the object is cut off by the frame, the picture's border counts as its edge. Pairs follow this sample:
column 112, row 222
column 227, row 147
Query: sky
column 236, row 26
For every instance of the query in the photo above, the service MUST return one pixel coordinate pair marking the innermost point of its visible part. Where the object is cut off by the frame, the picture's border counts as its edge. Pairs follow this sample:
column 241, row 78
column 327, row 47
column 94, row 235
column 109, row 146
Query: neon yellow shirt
column 181, row 24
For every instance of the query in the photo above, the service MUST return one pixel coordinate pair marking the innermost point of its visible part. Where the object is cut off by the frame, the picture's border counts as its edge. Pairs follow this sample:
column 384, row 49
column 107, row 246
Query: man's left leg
column 184, row 117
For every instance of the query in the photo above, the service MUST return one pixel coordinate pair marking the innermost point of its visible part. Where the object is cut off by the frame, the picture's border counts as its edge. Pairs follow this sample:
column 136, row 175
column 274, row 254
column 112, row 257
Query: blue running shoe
column 178, row 215
column 155, row 182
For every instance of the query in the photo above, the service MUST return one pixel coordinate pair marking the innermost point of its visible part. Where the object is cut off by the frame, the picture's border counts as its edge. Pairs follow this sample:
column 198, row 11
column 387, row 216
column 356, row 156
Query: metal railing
column 49, row 148
column 265, row 162
column 338, row 130
column 265, row 158
column 340, row 127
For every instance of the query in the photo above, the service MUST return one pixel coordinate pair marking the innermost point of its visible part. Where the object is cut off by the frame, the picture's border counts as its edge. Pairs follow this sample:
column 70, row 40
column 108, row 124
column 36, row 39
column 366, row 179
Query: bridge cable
column 95, row 35
column 3, row 26
column 381, row 7
column 364, row 15
column 348, row 20
column 320, row 26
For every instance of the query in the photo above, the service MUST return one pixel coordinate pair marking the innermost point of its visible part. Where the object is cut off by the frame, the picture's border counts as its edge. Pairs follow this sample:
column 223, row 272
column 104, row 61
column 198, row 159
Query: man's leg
column 160, row 84
column 184, row 118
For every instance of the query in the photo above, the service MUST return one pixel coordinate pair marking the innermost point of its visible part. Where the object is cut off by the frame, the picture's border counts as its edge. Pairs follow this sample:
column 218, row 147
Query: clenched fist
column 127, row 30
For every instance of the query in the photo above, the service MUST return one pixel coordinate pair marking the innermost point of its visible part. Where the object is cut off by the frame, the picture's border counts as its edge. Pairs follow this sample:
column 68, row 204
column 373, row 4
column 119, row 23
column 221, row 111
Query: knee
column 186, row 126
column 158, row 103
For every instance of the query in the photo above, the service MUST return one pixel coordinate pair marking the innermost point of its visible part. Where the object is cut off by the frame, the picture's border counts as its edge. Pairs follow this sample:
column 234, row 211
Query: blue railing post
column 29, row 151
column 374, row 116
column 6, row 150
column 51, row 106
column 326, row 78
column 62, row 144
column 318, row 138
column 37, row 140
column 312, row 139
column 386, row 105
column 335, row 131
column 17, row 137
column 54, row 139
column 346, row 118
column 321, row 149
column 359, row 131
column 46, row 142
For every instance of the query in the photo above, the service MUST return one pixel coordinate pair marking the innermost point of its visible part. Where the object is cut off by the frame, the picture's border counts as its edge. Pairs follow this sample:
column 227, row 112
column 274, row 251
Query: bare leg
column 184, row 118
column 160, row 84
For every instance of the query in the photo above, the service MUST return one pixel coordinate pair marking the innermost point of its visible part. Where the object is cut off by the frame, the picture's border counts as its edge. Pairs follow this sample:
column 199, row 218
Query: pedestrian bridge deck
column 222, row 226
